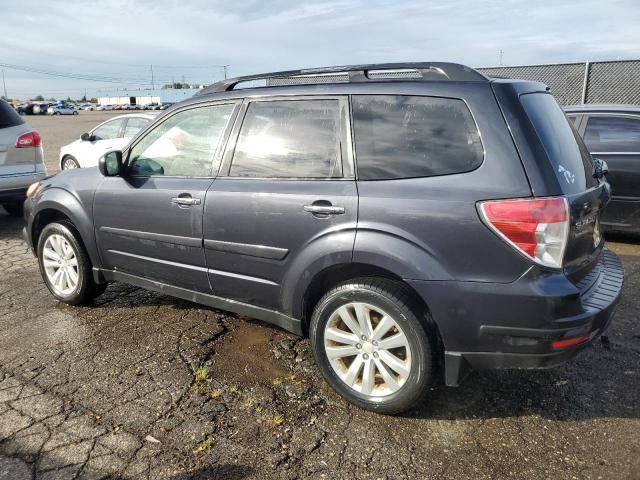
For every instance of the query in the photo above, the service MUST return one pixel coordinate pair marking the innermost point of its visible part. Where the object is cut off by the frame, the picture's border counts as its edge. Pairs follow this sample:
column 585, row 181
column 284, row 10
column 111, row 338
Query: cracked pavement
column 144, row 386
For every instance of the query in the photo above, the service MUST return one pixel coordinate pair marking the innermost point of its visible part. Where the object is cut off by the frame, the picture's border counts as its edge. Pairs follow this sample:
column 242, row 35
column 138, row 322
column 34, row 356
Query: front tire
column 370, row 341
column 75, row 113
column 69, row 163
column 65, row 266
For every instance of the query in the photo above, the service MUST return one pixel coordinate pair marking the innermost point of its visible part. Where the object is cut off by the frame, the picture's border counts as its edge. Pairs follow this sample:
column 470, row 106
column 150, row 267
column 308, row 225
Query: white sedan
column 62, row 110
column 115, row 133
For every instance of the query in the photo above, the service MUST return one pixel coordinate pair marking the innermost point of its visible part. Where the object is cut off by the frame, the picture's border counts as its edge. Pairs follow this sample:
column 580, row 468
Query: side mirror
column 600, row 168
column 110, row 164
column 85, row 137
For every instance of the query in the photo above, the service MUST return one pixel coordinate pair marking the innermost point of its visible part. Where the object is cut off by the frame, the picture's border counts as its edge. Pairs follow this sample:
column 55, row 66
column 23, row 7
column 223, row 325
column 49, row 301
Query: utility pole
column 225, row 67
column 501, row 55
column 153, row 87
column 4, row 85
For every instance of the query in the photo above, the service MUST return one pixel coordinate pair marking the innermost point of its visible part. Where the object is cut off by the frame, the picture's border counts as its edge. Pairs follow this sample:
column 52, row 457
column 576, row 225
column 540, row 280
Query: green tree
column 39, row 98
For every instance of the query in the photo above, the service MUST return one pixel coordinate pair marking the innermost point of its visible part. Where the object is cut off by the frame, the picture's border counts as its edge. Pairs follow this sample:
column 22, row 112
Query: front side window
column 401, row 136
column 108, row 131
column 134, row 125
column 612, row 134
column 289, row 139
column 182, row 145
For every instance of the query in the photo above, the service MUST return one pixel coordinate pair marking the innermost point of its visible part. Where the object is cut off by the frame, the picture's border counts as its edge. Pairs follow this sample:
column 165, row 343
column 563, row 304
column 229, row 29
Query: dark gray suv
column 406, row 217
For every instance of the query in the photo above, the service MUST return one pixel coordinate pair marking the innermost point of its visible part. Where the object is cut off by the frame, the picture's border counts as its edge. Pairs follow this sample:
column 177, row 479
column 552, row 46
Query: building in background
column 142, row 97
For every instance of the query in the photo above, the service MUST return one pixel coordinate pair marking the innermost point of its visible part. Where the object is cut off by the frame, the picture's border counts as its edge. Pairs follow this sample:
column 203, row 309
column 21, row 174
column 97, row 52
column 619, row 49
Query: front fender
column 78, row 211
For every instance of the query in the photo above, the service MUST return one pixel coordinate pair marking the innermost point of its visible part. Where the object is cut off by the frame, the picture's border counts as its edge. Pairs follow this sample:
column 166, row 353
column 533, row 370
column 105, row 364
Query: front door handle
column 324, row 209
column 185, row 201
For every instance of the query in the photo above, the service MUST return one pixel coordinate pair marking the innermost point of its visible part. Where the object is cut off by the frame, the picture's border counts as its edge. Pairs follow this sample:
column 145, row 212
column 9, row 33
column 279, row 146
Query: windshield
column 569, row 157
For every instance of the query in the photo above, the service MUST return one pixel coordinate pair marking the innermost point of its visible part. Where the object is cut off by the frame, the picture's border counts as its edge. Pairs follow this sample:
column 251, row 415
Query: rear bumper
column 492, row 326
column 13, row 188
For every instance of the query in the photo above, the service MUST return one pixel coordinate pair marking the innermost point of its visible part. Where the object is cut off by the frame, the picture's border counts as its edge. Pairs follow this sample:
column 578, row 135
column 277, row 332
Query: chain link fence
column 570, row 83
column 575, row 83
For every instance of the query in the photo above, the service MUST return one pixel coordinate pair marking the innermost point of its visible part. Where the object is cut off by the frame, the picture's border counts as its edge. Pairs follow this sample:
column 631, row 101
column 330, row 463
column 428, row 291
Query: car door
column 616, row 140
column 148, row 222
column 285, row 188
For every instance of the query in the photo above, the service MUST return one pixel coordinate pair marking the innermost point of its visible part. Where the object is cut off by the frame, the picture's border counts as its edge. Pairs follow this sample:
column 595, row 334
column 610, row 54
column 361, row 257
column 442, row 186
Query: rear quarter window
column 8, row 116
column 566, row 151
column 402, row 136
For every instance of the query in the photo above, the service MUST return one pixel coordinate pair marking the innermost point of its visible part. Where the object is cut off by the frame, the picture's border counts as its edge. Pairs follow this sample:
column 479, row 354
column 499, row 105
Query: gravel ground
column 141, row 385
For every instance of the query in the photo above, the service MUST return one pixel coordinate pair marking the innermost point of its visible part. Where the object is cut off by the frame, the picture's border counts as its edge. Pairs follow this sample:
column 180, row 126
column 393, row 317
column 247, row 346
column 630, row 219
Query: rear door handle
column 324, row 209
column 185, row 201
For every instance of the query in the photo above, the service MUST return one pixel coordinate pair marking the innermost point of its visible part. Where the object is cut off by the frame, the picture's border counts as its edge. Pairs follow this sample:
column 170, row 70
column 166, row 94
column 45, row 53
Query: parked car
column 62, row 109
column 41, row 108
column 166, row 105
column 26, row 109
column 104, row 108
column 402, row 223
column 612, row 133
column 21, row 157
column 89, row 107
column 112, row 134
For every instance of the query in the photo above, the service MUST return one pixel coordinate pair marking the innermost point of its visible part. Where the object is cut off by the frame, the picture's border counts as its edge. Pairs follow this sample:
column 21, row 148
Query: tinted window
column 407, row 136
column 182, row 145
column 8, row 116
column 108, row 131
column 569, row 157
column 134, row 125
column 291, row 138
column 612, row 134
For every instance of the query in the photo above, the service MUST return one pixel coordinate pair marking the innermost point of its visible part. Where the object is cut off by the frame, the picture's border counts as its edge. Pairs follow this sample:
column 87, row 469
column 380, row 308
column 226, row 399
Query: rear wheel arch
column 335, row 275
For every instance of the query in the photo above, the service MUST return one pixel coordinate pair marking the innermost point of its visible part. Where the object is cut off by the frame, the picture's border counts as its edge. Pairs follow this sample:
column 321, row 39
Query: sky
column 111, row 44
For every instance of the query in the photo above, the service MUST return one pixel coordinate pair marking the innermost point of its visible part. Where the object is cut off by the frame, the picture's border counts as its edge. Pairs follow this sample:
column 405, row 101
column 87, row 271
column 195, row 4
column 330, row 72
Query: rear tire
column 65, row 266
column 381, row 358
column 14, row 209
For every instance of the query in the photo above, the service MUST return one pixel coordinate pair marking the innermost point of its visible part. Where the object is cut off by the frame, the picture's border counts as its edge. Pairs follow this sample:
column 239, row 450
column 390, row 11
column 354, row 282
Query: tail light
column 537, row 227
column 29, row 140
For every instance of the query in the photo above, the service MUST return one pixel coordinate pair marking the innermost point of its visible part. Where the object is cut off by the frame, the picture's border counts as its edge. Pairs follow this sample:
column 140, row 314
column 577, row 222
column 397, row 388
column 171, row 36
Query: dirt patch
column 244, row 356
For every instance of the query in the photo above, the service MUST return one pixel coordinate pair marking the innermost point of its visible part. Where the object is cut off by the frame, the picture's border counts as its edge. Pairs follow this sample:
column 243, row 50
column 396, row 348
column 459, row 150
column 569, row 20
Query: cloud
column 120, row 38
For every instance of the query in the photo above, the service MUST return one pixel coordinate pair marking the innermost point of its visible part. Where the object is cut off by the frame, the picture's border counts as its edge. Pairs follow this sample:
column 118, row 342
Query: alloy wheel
column 367, row 349
column 60, row 264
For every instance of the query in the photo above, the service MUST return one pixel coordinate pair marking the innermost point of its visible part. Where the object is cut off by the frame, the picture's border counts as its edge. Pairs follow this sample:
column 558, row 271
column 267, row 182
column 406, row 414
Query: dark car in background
column 612, row 133
column 406, row 217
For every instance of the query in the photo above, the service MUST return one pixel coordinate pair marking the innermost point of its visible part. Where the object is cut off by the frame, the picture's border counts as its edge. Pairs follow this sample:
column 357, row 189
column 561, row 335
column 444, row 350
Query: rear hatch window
column 573, row 167
column 8, row 116
column 570, row 160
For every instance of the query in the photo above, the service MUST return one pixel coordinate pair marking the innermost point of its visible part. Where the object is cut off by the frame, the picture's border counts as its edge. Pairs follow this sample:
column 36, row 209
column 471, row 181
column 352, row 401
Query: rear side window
column 134, row 125
column 289, row 138
column 400, row 136
column 612, row 134
column 8, row 116
column 569, row 157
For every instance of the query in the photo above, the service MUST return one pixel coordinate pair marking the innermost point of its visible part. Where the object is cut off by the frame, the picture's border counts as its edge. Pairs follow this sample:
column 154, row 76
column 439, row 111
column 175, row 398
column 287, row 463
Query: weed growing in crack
column 205, row 445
